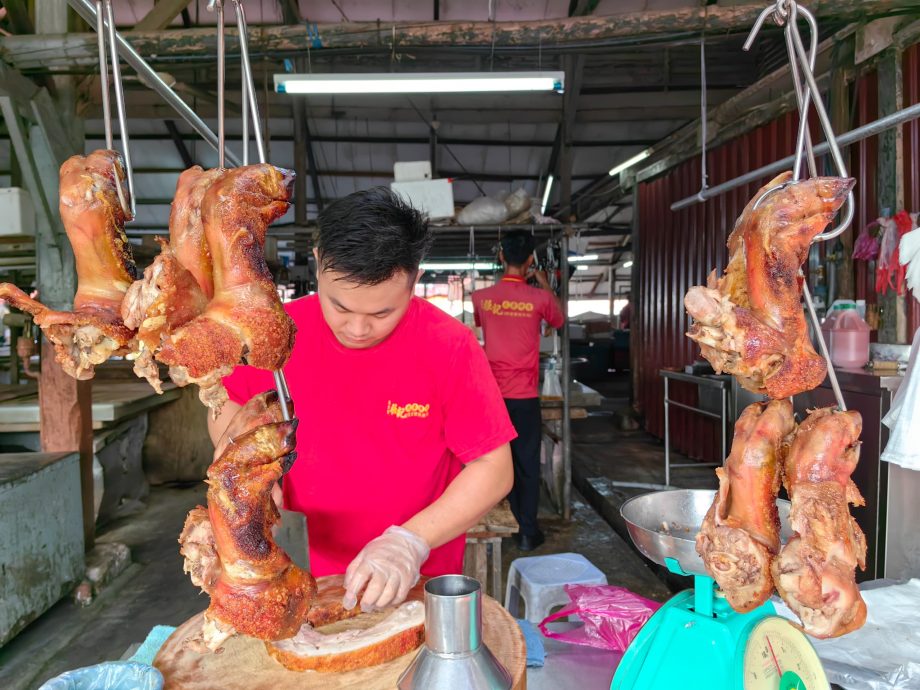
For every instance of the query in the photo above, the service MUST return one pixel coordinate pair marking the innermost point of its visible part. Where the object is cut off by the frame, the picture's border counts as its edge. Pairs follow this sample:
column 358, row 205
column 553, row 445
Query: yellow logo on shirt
column 508, row 307
column 407, row 411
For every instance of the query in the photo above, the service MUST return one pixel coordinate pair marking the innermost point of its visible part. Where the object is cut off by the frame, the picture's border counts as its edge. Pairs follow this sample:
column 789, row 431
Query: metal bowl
column 664, row 524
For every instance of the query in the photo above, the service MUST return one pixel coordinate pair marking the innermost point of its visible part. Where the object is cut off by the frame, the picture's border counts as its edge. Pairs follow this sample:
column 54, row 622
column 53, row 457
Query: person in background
column 626, row 313
column 511, row 314
column 403, row 439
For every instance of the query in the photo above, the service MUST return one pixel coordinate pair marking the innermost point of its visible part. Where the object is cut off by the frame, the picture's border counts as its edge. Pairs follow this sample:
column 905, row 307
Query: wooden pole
column 45, row 53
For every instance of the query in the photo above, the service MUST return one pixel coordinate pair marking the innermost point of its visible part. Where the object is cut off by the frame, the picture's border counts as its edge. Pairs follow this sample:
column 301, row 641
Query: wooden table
column 489, row 532
column 112, row 401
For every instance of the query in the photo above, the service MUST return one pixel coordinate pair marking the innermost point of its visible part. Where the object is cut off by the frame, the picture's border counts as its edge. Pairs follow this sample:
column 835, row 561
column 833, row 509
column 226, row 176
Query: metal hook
column 248, row 83
column 105, row 31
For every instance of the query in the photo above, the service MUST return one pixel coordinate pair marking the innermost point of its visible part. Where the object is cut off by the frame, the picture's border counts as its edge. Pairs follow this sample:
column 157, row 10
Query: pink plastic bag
column 612, row 616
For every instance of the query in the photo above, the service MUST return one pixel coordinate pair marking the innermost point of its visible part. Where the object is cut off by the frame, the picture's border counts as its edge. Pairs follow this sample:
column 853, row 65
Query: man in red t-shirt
column 511, row 314
column 403, row 437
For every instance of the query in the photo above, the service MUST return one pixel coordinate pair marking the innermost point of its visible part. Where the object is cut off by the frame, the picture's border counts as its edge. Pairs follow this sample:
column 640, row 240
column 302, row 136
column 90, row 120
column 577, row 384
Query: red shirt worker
column 511, row 314
column 403, row 437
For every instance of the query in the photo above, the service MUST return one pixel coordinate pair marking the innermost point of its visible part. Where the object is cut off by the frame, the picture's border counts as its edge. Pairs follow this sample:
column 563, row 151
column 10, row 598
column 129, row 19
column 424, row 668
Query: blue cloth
column 155, row 639
column 111, row 675
column 533, row 640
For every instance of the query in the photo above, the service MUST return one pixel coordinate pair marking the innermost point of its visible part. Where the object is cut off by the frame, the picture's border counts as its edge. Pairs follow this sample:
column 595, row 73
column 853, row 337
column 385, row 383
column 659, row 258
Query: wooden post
column 65, row 407
column 893, row 326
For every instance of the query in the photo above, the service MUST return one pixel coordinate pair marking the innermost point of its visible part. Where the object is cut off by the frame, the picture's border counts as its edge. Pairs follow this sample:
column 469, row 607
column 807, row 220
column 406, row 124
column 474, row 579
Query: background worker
column 402, row 444
column 511, row 314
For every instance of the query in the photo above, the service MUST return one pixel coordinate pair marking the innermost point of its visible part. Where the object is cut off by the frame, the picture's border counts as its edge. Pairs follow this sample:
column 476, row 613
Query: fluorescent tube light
column 630, row 162
column 582, row 268
column 549, row 188
column 458, row 266
column 582, row 259
column 628, row 264
column 426, row 82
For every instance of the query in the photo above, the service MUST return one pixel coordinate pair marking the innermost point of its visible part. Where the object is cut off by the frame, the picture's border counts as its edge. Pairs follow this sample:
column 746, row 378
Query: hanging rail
column 867, row 130
column 87, row 10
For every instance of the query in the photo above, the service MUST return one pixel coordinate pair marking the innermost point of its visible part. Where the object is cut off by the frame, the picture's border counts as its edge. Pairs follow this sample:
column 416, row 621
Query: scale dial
column 778, row 656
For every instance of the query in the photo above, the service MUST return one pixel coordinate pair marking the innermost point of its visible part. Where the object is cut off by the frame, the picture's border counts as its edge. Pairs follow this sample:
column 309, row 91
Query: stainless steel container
column 454, row 655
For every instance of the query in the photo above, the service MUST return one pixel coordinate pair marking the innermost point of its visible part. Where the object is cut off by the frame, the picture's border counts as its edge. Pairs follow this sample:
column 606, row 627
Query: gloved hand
column 389, row 566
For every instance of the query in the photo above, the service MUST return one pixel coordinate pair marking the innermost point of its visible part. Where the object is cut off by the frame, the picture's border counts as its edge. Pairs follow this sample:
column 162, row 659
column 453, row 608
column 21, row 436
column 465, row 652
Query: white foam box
column 17, row 214
column 411, row 171
column 434, row 198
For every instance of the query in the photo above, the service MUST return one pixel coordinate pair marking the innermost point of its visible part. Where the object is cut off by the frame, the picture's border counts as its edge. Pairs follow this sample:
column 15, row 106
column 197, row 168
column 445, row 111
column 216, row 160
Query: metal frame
column 87, row 10
column 723, row 386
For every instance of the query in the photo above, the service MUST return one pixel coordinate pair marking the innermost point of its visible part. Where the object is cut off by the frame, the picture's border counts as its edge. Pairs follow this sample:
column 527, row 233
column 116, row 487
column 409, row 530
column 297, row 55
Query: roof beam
column 162, row 15
column 69, row 50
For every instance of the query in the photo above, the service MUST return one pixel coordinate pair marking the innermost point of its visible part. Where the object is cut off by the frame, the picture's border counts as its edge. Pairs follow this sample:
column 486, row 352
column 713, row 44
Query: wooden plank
column 162, row 15
column 46, row 53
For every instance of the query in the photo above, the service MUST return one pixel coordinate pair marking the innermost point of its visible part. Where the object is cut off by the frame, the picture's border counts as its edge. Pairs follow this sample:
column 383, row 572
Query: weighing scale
column 696, row 640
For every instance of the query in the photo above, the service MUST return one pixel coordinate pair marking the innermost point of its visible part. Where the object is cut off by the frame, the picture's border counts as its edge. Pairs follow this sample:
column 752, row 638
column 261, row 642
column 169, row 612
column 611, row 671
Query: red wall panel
column 911, row 71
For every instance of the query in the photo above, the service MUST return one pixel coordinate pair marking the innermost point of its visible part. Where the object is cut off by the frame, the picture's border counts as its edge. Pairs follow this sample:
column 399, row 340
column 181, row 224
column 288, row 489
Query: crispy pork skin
column 740, row 533
column 94, row 208
column 815, row 571
column 750, row 322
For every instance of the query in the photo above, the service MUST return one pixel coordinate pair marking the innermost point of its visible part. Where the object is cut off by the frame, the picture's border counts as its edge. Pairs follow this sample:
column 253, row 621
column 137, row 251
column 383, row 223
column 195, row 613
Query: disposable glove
column 389, row 565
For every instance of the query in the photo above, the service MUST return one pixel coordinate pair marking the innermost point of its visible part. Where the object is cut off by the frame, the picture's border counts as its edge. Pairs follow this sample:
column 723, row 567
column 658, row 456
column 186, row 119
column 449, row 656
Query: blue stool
column 539, row 580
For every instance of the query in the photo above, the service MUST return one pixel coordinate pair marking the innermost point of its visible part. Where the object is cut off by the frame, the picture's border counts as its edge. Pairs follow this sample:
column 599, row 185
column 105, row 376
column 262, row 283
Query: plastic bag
column 612, row 616
column 552, row 386
column 866, row 246
column 483, row 211
column 517, row 202
column 111, row 675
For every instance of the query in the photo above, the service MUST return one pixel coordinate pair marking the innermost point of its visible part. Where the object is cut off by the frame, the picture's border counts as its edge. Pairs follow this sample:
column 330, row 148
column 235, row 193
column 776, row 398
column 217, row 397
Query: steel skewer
column 249, row 99
column 104, row 75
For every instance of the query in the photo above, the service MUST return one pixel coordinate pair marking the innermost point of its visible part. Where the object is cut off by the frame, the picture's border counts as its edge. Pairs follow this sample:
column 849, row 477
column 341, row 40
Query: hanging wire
column 704, row 128
column 105, row 28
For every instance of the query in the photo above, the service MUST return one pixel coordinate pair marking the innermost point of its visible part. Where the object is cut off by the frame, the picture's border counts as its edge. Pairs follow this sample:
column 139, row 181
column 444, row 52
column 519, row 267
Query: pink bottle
column 849, row 345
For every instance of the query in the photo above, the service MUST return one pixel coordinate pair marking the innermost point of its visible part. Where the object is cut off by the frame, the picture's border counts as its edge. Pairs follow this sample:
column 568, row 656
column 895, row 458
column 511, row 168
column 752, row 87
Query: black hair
column 517, row 245
column 370, row 236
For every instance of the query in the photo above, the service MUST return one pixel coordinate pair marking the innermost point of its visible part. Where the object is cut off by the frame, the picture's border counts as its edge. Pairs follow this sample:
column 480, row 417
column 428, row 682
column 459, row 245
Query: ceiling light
column 628, row 264
column 582, row 259
column 424, row 82
column 549, row 188
column 582, row 268
column 632, row 161
column 458, row 266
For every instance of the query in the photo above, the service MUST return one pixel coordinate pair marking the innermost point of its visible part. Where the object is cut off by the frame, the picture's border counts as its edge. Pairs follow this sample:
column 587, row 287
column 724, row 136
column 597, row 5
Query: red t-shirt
column 510, row 313
column 382, row 431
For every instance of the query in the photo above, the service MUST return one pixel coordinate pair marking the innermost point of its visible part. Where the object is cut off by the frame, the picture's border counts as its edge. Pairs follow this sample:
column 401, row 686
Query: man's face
column 362, row 316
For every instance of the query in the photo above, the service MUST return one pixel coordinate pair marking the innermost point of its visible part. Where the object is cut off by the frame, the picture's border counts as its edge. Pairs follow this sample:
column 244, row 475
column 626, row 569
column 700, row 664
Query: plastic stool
column 539, row 581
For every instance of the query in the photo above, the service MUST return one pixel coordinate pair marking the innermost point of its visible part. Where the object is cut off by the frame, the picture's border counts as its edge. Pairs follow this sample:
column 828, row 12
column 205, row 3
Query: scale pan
column 664, row 524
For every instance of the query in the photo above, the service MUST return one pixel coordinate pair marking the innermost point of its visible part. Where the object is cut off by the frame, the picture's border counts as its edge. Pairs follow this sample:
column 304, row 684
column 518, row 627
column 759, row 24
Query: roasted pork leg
column 177, row 286
column 750, row 322
column 94, row 208
column 740, row 533
column 815, row 571
column 245, row 321
column 228, row 547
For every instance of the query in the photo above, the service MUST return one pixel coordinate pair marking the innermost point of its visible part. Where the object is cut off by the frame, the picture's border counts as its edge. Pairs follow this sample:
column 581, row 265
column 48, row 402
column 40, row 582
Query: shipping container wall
column 678, row 249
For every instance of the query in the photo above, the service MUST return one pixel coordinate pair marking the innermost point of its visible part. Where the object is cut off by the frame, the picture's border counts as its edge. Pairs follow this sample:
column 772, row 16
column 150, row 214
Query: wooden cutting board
column 245, row 665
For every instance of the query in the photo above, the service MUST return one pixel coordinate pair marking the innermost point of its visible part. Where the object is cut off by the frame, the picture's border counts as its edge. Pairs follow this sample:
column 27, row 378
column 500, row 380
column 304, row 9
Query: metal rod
column 870, row 129
column 248, row 83
column 120, row 101
column 283, row 395
column 667, row 436
column 218, row 6
column 87, row 10
column 104, row 76
column 566, row 384
column 831, row 374
column 245, row 114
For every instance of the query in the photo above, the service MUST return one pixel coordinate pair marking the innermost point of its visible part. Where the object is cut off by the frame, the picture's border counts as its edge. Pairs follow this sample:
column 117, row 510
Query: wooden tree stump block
column 245, row 665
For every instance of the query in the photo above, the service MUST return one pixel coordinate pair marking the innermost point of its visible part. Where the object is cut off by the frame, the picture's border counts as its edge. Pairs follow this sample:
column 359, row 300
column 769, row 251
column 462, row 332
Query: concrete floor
column 154, row 589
